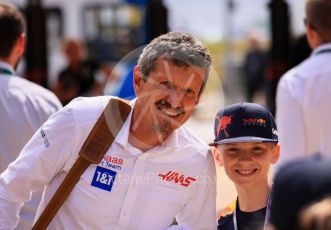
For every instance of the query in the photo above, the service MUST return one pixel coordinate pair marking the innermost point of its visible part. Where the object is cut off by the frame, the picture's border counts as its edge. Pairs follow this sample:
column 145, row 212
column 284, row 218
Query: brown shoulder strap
column 95, row 147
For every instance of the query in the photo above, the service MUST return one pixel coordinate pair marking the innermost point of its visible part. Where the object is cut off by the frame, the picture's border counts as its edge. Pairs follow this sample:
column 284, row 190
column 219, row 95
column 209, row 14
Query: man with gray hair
column 24, row 105
column 155, row 170
column 303, row 94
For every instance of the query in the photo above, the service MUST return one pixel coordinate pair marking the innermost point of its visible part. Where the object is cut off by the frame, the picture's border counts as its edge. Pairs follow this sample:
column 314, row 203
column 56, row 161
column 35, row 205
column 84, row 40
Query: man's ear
column 275, row 154
column 312, row 37
column 17, row 51
column 20, row 45
column 198, row 100
column 137, row 80
column 217, row 156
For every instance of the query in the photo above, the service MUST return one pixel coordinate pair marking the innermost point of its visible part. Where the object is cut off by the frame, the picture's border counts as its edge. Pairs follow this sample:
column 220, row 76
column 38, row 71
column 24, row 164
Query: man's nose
column 175, row 98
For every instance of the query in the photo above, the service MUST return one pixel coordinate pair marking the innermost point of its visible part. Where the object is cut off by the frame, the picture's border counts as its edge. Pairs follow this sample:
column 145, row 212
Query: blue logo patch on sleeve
column 103, row 178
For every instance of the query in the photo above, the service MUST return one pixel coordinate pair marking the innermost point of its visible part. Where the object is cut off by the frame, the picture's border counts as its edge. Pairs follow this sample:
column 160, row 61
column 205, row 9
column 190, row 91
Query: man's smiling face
column 168, row 96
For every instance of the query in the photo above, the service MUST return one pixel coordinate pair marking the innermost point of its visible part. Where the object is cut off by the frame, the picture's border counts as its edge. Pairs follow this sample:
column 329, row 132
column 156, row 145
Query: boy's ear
column 217, row 156
column 275, row 153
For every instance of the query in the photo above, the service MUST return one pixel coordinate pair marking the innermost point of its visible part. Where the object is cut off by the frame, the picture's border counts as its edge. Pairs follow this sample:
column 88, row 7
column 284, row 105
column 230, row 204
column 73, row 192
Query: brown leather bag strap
column 95, row 147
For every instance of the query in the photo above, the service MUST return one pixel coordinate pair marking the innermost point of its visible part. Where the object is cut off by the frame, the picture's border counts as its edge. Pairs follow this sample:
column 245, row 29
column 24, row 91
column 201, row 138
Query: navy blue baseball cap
column 297, row 184
column 245, row 122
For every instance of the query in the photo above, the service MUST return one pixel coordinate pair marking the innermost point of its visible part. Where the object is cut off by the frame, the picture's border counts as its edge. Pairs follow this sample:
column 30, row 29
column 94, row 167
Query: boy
column 247, row 143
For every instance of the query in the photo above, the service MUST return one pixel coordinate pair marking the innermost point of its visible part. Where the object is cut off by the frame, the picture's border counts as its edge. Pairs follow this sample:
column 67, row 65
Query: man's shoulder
column 29, row 91
column 25, row 86
column 294, row 81
column 304, row 70
column 187, row 137
column 87, row 109
column 291, row 74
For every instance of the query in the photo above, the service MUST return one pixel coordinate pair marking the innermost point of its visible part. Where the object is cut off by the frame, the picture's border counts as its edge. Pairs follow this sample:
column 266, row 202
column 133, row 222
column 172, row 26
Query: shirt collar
column 123, row 136
column 6, row 66
column 172, row 140
column 321, row 48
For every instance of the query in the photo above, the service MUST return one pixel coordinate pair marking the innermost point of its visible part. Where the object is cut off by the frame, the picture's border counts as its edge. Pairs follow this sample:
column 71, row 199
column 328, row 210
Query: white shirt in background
column 304, row 107
column 24, row 107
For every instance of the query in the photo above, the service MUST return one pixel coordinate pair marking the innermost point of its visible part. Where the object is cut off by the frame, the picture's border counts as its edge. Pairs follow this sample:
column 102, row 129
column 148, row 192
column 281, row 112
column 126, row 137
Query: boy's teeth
column 245, row 172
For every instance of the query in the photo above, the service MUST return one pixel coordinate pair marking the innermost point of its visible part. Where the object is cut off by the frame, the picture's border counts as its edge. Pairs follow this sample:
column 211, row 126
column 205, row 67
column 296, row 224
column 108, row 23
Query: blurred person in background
column 303, row 94
column 24, row 106
column 254, row 68
column 316, row 216
column 300, row 50
column 297, row 184
column 78, row 78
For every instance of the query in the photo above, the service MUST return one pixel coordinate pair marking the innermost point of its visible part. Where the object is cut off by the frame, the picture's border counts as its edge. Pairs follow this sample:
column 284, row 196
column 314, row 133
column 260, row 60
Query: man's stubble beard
column 164, row 128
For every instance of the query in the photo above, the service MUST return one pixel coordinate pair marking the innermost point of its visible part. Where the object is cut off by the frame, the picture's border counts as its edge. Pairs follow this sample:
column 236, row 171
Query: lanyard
column 267, row 215
column 6, row 72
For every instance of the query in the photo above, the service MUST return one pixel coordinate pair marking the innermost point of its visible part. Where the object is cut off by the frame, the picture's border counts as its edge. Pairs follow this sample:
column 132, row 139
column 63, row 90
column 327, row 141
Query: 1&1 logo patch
column 103, row 178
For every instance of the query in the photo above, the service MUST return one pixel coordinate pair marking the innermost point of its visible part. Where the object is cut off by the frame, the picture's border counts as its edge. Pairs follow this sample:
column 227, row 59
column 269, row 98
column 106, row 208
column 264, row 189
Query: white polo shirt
column 24, row 107
column 127, row 190
column 304, row 107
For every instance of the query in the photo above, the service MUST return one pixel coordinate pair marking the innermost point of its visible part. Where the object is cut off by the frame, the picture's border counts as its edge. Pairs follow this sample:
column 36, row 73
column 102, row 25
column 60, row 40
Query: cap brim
column 243, row 139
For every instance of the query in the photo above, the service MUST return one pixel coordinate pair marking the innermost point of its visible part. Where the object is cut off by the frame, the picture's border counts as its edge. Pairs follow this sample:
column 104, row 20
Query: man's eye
column 165, row 84
column 189, row 92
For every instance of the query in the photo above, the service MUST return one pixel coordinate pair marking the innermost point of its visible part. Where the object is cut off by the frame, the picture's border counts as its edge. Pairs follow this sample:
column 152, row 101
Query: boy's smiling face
column 247, row 163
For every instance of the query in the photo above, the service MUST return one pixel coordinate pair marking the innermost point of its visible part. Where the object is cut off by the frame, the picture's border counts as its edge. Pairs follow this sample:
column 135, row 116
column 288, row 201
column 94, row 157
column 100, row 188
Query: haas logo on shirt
column 177, row 178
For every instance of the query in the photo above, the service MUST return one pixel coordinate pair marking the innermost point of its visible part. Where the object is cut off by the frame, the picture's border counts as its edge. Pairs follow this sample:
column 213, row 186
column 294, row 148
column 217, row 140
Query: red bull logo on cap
column 255, row 121
column 223, row 122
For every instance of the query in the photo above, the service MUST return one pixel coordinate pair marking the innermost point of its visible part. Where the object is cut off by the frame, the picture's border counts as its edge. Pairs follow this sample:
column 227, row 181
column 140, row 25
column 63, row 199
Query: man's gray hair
column 181, row 48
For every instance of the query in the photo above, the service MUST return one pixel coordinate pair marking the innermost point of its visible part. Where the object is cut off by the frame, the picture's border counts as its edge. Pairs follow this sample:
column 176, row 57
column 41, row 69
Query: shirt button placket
column 131, row 195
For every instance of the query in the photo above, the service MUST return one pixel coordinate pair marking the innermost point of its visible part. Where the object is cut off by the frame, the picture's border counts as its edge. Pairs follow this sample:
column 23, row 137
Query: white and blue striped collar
column 323, row 48
column 6, row 69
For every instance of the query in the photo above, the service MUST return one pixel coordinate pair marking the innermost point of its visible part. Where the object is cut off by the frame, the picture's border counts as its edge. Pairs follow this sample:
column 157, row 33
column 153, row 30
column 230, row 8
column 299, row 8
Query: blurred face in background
column 74, row 51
